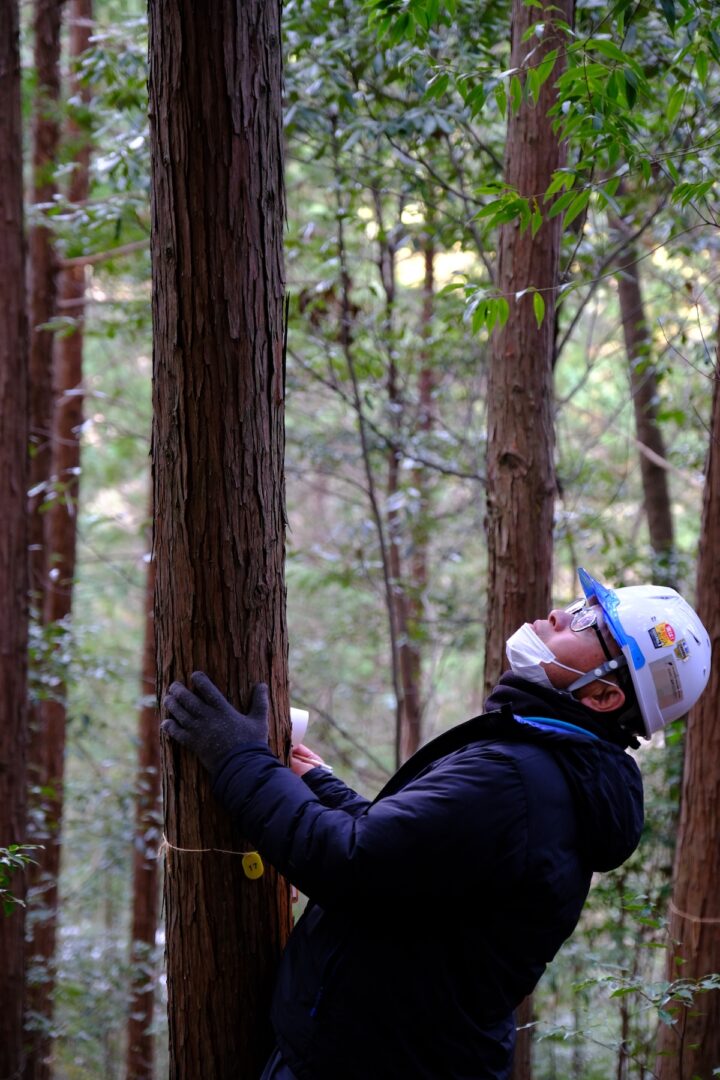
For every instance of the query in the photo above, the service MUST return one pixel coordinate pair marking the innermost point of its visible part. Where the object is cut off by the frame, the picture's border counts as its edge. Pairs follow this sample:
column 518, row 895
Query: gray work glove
column 206, row 723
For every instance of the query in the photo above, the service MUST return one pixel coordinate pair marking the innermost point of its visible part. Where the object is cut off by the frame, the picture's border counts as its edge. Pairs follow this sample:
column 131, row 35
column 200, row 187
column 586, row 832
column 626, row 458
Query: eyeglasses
column 585, row 616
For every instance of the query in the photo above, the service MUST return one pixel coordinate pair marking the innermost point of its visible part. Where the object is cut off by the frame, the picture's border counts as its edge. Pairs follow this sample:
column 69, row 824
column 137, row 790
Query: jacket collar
column 526, row 698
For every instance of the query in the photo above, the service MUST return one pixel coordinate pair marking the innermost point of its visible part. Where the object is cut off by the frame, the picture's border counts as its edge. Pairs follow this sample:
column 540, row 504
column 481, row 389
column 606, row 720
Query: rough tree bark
column 218, row 443
column 520, row 429
column 60, row 543
column 42, row 296
column 643, row 383
column 148, row 833
column 692, row 1046
column 13, row 536
column 42, row 271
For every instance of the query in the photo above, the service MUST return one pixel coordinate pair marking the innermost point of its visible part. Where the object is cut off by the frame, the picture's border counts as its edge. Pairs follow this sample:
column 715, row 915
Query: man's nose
column 559, row 619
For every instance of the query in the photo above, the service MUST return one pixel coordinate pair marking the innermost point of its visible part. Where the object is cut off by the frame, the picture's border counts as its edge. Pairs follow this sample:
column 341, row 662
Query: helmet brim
column 608, row 600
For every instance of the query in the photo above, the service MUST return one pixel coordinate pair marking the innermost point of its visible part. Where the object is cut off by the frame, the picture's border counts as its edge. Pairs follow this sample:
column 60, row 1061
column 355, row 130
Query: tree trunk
column 218, row 443
column 42, row 270
column 13, row 537
column 520, row 468
column 60, row 540
column 656, row 491
column 408, row 708
column 691, row 1047
column 148, row 832
column 520, row 471
column 420, row 530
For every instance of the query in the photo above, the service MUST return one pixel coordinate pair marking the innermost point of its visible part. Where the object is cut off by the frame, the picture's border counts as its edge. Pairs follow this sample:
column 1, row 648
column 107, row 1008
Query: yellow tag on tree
column 252, row 864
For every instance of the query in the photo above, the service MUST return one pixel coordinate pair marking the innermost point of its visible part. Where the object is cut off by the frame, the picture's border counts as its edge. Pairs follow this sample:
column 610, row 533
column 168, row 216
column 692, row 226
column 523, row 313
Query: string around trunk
column 691, row 918
column 252, row 864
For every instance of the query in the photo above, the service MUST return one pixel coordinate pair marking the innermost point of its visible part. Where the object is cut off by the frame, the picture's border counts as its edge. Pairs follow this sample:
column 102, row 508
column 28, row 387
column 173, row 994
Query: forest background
column 396, row 119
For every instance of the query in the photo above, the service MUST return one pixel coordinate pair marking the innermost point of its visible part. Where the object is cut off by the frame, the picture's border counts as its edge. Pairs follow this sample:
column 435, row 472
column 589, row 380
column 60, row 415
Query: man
column 435, row 908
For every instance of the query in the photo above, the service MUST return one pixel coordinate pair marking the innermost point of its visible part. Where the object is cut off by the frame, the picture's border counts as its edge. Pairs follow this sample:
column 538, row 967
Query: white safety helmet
column 666, row 647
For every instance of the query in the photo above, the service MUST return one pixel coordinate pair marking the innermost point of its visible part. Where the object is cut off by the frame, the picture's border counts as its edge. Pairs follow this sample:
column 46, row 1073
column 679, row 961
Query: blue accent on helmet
column 609, row 601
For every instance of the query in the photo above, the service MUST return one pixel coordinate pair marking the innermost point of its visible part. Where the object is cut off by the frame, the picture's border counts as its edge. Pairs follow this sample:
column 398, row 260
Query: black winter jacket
column 436, row 907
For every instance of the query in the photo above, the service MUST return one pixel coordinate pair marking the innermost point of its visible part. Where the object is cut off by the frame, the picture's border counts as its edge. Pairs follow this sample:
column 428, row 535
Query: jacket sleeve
column 445, row 832
column 333, row 792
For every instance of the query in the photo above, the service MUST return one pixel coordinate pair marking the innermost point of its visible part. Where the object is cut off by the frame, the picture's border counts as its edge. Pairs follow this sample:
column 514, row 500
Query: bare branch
column 91, row 259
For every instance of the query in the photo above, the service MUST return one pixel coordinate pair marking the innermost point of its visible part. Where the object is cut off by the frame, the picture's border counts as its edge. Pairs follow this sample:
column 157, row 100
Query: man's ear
column 602, row 696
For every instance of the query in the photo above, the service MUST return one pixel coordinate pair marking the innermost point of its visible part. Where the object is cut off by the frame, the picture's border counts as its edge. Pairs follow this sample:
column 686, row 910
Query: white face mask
column 526, row 652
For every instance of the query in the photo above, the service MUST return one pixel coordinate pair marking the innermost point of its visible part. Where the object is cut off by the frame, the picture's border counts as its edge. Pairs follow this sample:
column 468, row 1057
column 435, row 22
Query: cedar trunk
column 643, row 382
column 520, row 470
column 218, row 444
column 148, row 832
column 60, row 543
column 13, row 536
column 520, row 429
column 691, row 1047
column 42, row 270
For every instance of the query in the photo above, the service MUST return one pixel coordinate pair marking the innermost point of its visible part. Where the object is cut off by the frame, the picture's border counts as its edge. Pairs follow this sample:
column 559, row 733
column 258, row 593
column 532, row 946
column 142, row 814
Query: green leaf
column 701, row 66
column 612, row 87
column 630, row 86
column 437, row 86
column 576, row 207
column 536, row 220
column 476, row 99
column 401, row 29
column 609, row 49
column 503, row 310
column 479, row 317
column 560, row 204
column 501, row 98
column 675, row 102
column 492, row 314
column 561, row 178
column 668, row 7
column 539, row 308
column 545, row 68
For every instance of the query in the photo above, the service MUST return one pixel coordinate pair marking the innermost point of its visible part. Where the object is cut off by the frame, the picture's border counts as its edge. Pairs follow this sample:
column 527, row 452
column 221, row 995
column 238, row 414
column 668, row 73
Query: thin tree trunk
column 420, row 527
column 520, row 467
column 148, row 832
column 691, row 1047
column 60, row 540
column 42, row 271
column 13, row 536
column 346, row 314
column 408, row 707
column 218, row 444
column 643, row 381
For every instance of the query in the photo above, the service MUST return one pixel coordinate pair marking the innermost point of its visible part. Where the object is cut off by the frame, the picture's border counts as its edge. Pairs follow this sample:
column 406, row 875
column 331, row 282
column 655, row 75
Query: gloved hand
column 206, row 723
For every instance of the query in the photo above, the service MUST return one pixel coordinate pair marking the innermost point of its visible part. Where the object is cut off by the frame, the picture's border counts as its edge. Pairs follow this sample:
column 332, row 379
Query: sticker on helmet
column 667, row 682
column 662, row 635
column 681, row 650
